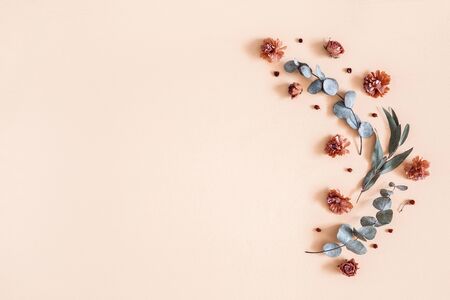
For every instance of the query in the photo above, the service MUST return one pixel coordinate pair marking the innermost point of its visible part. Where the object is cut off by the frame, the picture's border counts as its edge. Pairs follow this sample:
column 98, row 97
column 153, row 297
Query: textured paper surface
column 146, row 151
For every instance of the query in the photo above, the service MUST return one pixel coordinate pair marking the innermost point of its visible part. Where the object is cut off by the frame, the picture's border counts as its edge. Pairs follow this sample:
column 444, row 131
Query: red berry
column 318, row 229
column 390, row 230
column 374, row 115
column 276, row 73
column 375, row 246
column 348, row 70
column 412, row 202
column 349, row 170
column 316, row 107
column 300, row 40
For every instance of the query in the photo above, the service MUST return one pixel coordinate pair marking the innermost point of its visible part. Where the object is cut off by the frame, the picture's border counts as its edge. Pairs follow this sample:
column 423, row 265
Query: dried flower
column 376, row 83
column 272, row 50
column 417, row 169
column 337, row 146
column 349, row 267
column 338, row 203
column 334, row 48
column 295, row 89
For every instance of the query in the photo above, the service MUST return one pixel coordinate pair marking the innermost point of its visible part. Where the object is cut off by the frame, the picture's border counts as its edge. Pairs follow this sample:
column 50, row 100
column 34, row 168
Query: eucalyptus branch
column 350, row 237
column 343, row 109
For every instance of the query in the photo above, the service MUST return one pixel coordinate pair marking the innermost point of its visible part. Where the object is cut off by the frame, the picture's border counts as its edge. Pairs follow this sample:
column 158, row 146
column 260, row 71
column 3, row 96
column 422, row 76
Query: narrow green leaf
column 390, row 119
column 395, row 161
column 371, row 182
column 394, row 140
column 394, row 116
column 404, row 134
column 377, row 153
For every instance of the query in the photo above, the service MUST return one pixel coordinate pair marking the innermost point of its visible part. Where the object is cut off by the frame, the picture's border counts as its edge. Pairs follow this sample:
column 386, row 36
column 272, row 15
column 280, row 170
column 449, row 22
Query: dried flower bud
column 272, row 50
column 334, row 48
column 338, row 203
column 417, row 169
column 295, row 89
column 376, row 83
column 337, row 145
column 349, row 267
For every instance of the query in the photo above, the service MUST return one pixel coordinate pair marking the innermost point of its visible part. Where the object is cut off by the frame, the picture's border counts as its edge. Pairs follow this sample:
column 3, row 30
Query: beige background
column 146, row 152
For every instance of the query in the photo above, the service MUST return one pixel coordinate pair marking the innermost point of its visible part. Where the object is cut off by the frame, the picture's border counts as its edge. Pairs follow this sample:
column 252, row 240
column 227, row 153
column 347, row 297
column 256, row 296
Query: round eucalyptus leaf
column 350, row 98
column 319, row 73
column 382, row 203
column 385, row 216
column 368, row 232
column 330, row 86
column 365, row 130
column 305, row 70
column 344, row 233
column 391, row 184
column 332, row 249
column 353, row 121
column 356, row 247
column 341, row 111
column 385, row 193
column 315, row 86
column 291, row 66
column 402, row 187
column 359, row 235
column 368, row 221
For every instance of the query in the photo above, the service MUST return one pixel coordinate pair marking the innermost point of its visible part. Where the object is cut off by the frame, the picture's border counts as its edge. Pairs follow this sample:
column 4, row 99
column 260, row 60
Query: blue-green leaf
column 330, row 86
column 332, row 249
column 291, row 66
column 349, row 99
column 385, row 216
column 319, row 72
column 305, row 70
column 344, row 233
column 394, row 140
column 315, row 86
column 368, row 221
column 356, row 247
column 404, row 134
column 341, row 111
column 365, row 130
column 395, row 161
column 367, row 232
column 401, row 187
column 377, row 153
column 385, row 193
column 382, row 203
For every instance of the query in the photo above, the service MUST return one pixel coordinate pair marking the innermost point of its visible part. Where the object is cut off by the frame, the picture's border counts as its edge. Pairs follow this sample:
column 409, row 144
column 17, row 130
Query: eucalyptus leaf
column 385, row 193
column 352, row 122
column 391, row 184
column 315, row 86
column 370, row 179
column 377, row 153
column 404, row 134
column 394, row 116
column 368, row 232
column 382, row 203
column 319, row 72
column 395, row 161
column 385, row 216
column 344, row 233
column 358, row 235
column 341, row 111
column 350, row 98
column 394, row 140
column 305, row 70
column 332, row 249
column 330, row 86
column 401, row 187
column 291, row 66
column 368, row 221
column 356, row 247
column 365, row 130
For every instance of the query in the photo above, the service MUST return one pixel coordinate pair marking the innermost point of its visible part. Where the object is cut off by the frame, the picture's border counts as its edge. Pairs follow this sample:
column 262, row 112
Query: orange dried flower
column 417, row 169
column 338, row 203
column 337, row 146
column 272, row 50
column 334, row 49
column 349, row 267
column 376, row 83
column 295, row 89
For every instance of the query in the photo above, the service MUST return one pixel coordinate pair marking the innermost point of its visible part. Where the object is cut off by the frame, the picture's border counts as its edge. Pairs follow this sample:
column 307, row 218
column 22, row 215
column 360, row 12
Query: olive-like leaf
column 291, row 66
column 305, row 70
column 365, row 130
column 368, row 232
column 315, row 86
column 330, row 86
column 344, row 233
column 395, row 161
column 385, row 193
column 401, row 187
column 319, row 72
column 382, row 203
column 394, row 140
column 377, row 153
column 341, row 111
column 404, row 134
column 368, row 221
column 332, row 249
column 394, row 116
column 356, row 247
column 385, row 216
column 349, row 99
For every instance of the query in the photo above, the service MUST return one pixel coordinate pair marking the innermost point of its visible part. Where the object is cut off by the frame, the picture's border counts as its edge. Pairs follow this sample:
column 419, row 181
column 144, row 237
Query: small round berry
column 316, row 107
column 300, row 40
column 276, row 73
column 390, row 230
column 349, row 170
column 348, row 70
column 411, row 202
column 318, row 229
column 374, row 246
column 374, row 115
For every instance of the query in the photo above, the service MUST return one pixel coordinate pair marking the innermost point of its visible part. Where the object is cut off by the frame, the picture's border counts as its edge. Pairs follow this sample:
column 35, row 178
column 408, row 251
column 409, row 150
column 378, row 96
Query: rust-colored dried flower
column 376, row 83
column 338, row 203
column 349, row 267
column 295, row 89
column 334, row 48
column 337, row 146
column 272, row 50
column 417, row 169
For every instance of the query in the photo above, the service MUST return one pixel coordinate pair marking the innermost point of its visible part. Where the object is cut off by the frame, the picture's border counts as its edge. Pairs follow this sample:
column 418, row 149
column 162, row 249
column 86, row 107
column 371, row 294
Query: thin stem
column 323, row 251
column 359, row 196
column 360, row 145
column 354, row 115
